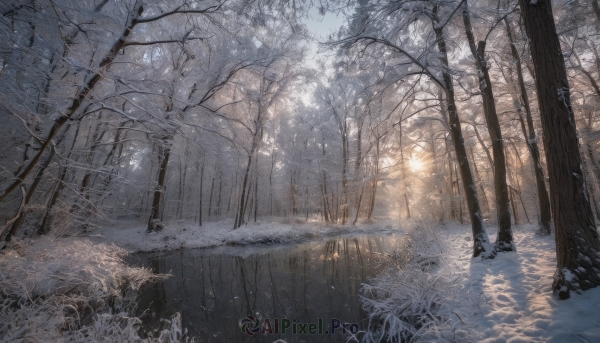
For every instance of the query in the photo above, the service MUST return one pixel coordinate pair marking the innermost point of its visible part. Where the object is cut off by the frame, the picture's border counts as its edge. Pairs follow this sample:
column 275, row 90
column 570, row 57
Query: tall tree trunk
column 512, row 198
column 577, row 242
column 305, row 203
column 438, row 177
column 593, row 177
column 504, row 240
column 210, row 198
column 181, row 194
column 545, row 223
column 357, row 165
column 154, row 223
column 518, row 181
column 449, row 188
column 256, row 192
column 233, row 188
column 460, row 198
column 219, row 195
column 375, row 176
column 373, row 196
column 344, row 176
column 201, row 195
column 450, row 184
column 481, row 242
column 271, row 181
column 293, row 206
column 481, row 189
column 245, row 192
column 403, row 167
column 326, row 206
column 336, row 203
column 240, row 212
column 360, row 196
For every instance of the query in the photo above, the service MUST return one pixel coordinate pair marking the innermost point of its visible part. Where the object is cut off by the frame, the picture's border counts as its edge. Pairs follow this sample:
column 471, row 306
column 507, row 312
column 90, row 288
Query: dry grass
column 71, row 290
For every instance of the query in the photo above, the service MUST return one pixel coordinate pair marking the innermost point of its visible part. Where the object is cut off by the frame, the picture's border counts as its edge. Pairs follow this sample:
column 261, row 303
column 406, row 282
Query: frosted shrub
column 410, row 305
column 71, row 290
column 419, row 302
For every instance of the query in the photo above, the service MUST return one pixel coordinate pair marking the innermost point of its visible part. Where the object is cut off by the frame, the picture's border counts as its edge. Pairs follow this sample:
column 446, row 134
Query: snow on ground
column 50, row 286
column 516, row 286
column 507, row 299
column 132, row 235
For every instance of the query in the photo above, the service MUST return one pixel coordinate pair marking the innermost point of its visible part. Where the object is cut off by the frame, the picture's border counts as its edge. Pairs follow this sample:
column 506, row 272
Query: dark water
column 215, row 288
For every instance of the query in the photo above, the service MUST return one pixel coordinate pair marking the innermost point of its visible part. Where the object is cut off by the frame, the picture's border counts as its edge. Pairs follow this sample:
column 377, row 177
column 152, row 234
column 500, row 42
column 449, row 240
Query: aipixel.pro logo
column 253, row 326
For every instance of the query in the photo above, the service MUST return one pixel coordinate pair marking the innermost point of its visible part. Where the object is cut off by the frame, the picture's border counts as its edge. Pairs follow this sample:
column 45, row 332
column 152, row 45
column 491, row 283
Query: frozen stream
column 215, row 288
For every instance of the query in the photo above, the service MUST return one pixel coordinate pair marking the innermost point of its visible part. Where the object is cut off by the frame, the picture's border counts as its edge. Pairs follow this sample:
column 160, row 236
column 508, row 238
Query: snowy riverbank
column 73, row 290
column 133, row 237
column 79, row 289
column 507, row 299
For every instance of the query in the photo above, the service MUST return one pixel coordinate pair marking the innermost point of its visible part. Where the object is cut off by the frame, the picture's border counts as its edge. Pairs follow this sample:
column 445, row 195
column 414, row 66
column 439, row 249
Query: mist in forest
column 154, row 116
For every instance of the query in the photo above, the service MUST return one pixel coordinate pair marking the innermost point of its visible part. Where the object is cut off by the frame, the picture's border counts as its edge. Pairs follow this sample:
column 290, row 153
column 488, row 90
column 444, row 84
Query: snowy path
column 520, row 306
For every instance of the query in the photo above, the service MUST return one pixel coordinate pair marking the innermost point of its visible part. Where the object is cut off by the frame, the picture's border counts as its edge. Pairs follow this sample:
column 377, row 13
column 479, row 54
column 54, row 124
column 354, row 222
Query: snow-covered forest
column 161, row 125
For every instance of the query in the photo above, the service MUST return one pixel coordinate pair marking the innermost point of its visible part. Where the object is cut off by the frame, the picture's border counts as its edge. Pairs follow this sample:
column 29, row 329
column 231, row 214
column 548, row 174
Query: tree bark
column 479, row 179
column 577, row 242
column 460, row 198
column 403, row 167
column 344, row 176
column 593, row 177
column 255, row 192
column 481, row 242
column 271, row 181
column 545, row 223
column 450, row 185
column 218, row 213
column 154, row 223
column 326, row 206
column 210, row 198
column 375, row 178
column 240, row 213
column 201, row 195
column 360, row 196
column 504, row 240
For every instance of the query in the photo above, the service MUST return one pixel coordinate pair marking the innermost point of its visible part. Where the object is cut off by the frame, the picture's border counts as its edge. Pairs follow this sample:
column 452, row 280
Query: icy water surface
column 308, row 283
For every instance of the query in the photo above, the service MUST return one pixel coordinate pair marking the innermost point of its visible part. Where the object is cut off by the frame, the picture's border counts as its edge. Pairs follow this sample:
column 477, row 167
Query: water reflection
column 215, row 288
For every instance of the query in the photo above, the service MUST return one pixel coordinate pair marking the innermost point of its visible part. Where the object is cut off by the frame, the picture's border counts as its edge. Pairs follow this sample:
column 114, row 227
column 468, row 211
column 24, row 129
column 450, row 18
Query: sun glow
column 415, row 165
